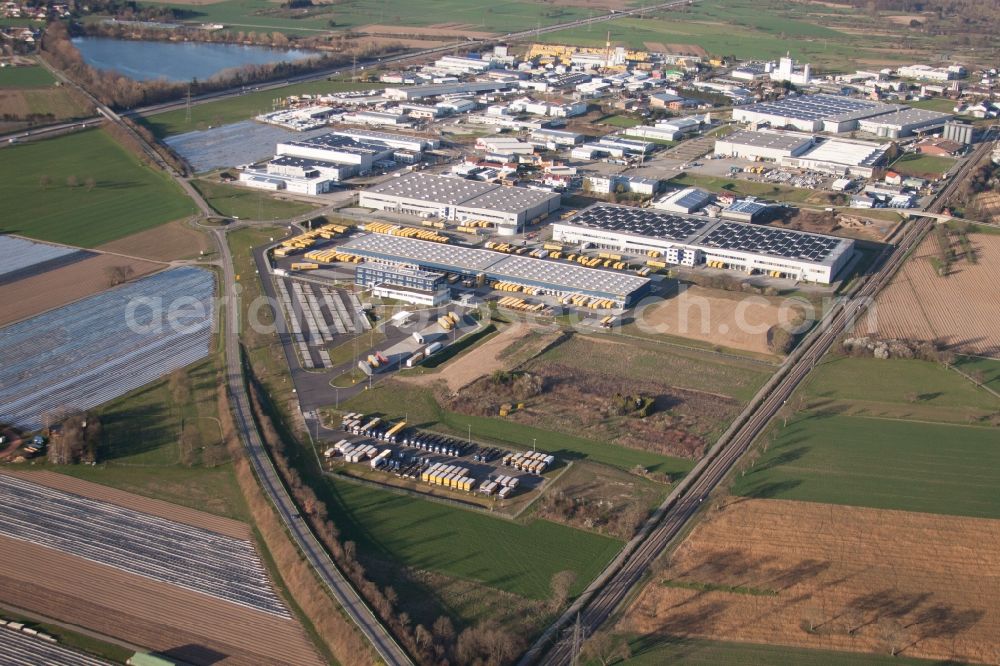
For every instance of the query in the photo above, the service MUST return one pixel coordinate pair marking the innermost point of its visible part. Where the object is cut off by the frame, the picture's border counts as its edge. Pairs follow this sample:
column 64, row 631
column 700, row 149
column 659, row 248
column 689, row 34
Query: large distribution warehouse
column 451, row 198
column 560, row 279
column 691, row 241
column 836, row 114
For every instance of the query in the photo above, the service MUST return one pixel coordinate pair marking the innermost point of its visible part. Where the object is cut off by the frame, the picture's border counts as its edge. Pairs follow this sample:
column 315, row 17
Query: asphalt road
column 606, row 593
column 317, row 557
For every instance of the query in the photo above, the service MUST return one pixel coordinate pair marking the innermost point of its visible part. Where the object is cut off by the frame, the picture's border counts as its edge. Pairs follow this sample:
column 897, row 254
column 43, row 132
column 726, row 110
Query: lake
column 176, row 61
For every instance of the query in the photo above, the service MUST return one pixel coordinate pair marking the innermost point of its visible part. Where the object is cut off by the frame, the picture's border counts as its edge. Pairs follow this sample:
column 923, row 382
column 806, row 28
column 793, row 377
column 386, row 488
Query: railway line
column 603, row 597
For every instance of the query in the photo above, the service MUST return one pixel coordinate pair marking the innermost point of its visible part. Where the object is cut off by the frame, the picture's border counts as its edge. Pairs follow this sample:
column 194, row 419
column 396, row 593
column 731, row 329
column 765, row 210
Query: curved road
column 609, row 590
column 314, row 552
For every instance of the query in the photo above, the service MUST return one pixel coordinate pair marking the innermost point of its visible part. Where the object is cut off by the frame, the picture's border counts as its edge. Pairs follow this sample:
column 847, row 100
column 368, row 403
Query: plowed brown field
column 961, row 310
column 731, row 320
column 38, row 293
column 192, row 627
column 833, row 577
column 154, row 507
column 166, row 242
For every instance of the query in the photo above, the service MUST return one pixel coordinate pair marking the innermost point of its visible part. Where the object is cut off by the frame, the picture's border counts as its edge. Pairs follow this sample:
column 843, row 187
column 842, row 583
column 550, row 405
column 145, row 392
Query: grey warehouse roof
column 639, row 222
column 770, row 140
column 428, row 187
column 417, row 251
column 566, row 276
column 509, row 199
column 910, row 116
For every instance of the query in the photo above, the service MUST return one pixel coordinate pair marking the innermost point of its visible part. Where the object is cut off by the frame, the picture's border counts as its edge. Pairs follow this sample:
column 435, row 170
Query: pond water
column 176, row 61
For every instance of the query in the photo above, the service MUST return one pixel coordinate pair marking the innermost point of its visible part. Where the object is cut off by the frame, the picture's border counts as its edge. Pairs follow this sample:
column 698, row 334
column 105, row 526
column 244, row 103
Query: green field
column 519, row 558
column 905, row 389
column 619, row 121
column 247, row 204
column 127, row 197
column 25, row 77
column 242, row 107
column 922, row 166
column 881, row 463
column 657, row 650
column 934, row 104
column 420, row 408
column 886, row 434
column 988, row 368
column 738, row 28
column 505, row 17
column 743, row 187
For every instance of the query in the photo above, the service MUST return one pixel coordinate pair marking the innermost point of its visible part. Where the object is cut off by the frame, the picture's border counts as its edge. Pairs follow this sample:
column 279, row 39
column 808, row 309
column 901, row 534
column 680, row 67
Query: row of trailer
column 330, row 255
column 405, row 232
column 304, row 241
column 503, row 486
column 521, row 305
column 449, row 476
column 582, row 301
column 534, row 462
column 448, row 320
column 513, row 286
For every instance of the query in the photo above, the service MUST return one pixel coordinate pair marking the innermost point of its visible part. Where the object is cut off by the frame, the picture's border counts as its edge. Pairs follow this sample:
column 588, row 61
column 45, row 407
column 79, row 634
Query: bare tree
column 561, row 584
column 66, row 443
column 117, row 275
column 892, row 633
column 606, row 648
column 44, row 181
column 89, row 183
column 72, row 181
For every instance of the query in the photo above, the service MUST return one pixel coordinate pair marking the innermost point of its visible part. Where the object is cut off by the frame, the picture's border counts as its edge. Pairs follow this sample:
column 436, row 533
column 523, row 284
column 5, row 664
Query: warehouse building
column 402, row 141
column 804, row 151
column 772, row 146
column 904, row 122
column 687, row 201
column 813, row 113
column 692, row 241
column 559, row 279
column 427, row 195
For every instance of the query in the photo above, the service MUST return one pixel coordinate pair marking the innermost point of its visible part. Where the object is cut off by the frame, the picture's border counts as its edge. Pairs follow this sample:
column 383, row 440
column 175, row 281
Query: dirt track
column 179, row 623
column 154, row 507
column 442, row 30
column 863, row 580
column 961, row 310
column 38, row 293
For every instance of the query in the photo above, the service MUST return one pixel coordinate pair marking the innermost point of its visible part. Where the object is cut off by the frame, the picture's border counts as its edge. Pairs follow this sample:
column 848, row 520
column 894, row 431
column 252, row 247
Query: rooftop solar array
column 821, row 107
column 771, row 241
column 745, row 206
column 428, row 187
column 639, row 222
column 569, row 277
column 341, row 143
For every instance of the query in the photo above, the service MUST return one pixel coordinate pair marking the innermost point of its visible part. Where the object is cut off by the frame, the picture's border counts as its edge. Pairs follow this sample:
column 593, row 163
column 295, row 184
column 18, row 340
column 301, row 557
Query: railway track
column 603, row 597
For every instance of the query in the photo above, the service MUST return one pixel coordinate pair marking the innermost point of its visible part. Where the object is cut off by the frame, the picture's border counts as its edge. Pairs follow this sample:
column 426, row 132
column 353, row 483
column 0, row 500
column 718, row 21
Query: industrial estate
column 602, row 332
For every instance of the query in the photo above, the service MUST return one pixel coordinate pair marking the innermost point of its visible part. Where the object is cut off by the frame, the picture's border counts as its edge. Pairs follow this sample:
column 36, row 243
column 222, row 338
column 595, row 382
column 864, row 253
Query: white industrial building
column 771, row 146
column 557, row 138
column 504, row 145
column 904, row 122
column 691, row 241
column 840, row 157
column 685, row 201
column 787, row 71
column 427, row 195
column 460, row 65
column 927, row 73
column 656, row 133
column 377, row 118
